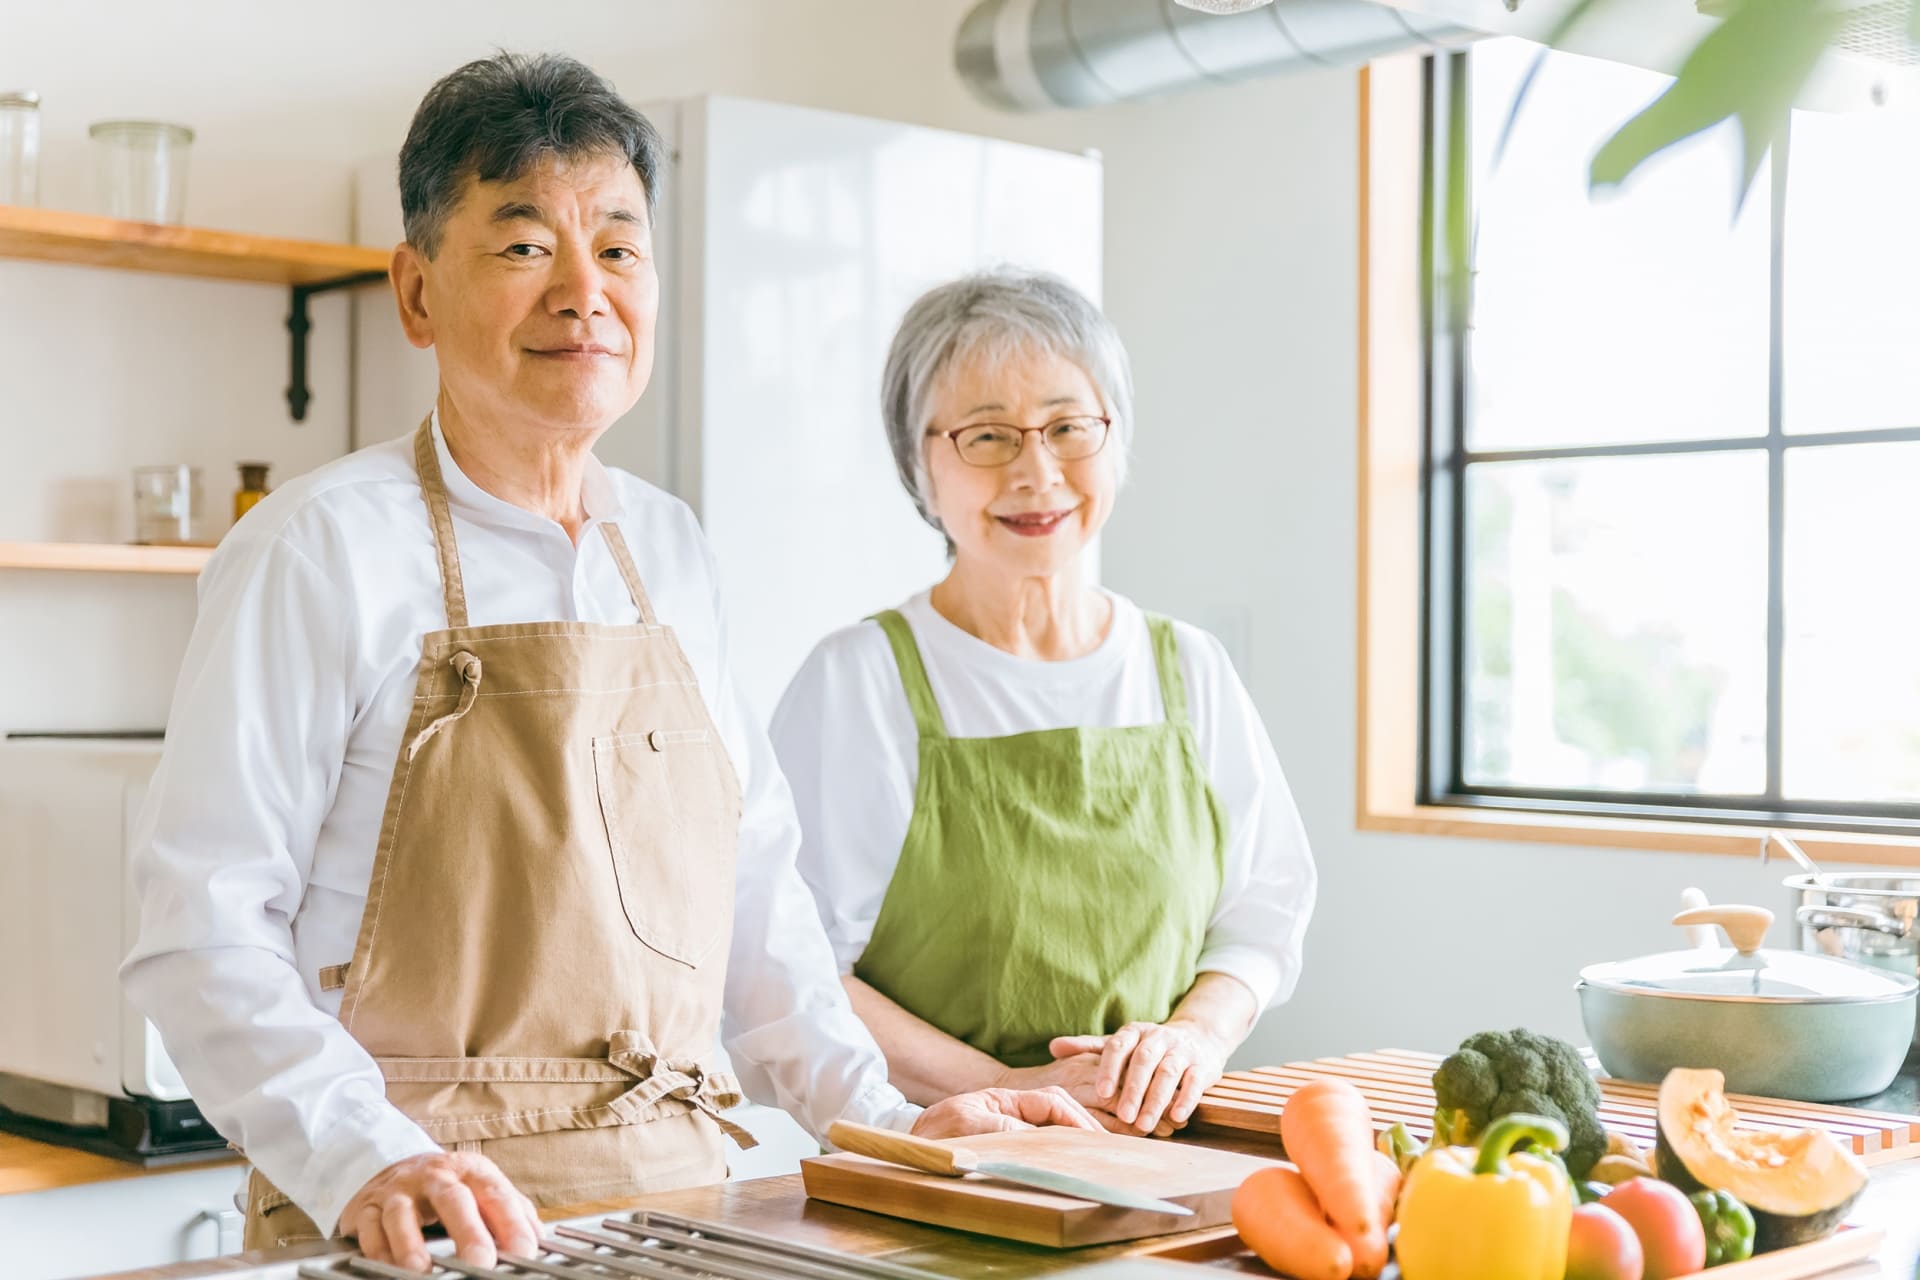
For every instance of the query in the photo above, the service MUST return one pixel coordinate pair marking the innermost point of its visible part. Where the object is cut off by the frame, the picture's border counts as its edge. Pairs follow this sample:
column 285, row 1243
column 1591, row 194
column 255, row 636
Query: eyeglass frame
column 953, row 437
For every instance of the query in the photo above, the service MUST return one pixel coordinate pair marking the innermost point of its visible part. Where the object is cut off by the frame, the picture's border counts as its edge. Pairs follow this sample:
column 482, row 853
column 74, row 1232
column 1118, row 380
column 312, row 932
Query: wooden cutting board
column 1203, row 1180
column 1223, row 1251
column 1398, row 1084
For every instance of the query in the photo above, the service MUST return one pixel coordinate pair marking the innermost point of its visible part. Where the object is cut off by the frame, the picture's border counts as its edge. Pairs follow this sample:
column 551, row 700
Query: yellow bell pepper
column 1491, row 1214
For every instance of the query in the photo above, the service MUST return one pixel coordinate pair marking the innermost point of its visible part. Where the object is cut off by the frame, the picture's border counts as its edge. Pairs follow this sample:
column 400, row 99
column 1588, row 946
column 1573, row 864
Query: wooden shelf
column 54, row 235
column 102, row 557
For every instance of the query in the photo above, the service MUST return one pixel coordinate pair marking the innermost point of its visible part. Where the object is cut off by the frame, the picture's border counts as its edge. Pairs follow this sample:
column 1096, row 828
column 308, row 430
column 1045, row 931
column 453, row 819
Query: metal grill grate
column 1879, row 31
column 646, row 1246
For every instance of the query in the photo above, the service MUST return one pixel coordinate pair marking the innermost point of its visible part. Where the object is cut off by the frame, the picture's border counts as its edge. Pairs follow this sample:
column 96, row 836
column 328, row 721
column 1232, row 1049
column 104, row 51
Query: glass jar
column 166, row 504
column 142, row 169
column 19, row 147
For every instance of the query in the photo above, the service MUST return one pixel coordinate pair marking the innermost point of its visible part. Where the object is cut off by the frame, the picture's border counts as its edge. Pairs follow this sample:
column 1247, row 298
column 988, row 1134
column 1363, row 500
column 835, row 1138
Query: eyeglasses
column 995, row 444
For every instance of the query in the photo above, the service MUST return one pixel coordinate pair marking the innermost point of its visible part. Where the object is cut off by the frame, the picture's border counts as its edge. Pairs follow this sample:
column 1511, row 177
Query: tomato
column 1601, row 1246
column 1671, row 1237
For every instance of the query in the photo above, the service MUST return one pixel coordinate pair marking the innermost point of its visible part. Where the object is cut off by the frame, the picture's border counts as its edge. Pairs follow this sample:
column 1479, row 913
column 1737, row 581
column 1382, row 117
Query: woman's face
column 1034, row 515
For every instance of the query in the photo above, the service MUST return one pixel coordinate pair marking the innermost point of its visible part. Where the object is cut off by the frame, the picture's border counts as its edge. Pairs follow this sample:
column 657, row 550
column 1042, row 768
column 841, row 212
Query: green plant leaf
column 1751, row 67
column 1913, row 22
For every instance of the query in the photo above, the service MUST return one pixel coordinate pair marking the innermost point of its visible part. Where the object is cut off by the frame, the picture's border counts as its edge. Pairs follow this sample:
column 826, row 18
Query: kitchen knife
column 957, row 1162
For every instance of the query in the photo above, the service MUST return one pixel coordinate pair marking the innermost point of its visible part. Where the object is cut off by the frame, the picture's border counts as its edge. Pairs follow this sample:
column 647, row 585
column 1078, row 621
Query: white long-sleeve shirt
column 845, row 738
column 253, row 855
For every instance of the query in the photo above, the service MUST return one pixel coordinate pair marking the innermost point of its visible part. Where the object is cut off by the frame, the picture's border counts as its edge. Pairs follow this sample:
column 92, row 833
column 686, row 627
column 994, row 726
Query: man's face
column 540, row 303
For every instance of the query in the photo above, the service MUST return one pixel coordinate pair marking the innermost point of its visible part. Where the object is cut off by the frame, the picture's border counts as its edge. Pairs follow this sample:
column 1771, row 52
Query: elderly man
column 462, row 845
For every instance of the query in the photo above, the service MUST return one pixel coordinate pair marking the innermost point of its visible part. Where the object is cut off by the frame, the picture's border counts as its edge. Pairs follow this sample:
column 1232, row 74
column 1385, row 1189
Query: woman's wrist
column 1005, row 1077
column 1203, row 1029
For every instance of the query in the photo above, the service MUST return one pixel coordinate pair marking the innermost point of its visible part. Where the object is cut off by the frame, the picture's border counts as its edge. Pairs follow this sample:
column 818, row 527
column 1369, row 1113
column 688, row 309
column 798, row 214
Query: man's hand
column 999, row 1110
column 1150, row 1074
column 465, row 1193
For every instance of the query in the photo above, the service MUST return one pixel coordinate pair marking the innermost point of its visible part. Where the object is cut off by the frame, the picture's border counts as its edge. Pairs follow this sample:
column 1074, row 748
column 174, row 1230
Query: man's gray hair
column 995, row 315
column 494, row 119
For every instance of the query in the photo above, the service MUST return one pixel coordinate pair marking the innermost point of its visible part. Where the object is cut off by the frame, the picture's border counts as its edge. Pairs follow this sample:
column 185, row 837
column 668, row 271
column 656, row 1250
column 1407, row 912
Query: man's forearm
column 924, row 1062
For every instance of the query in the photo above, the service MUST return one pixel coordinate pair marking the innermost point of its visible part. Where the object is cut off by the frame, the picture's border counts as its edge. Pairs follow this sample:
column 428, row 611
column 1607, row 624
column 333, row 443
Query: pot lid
column 1724, row 973
column 1746, row 971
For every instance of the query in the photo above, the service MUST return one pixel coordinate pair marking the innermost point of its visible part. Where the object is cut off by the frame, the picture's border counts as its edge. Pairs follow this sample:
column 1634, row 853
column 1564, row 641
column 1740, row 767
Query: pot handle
column 1745, row 927
column 1850, row 918
column 1699, row 935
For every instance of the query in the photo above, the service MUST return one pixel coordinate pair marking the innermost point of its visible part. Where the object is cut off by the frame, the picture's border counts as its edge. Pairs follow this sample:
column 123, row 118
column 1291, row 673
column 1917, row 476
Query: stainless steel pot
column 1874, row 919
column 1780, row 1024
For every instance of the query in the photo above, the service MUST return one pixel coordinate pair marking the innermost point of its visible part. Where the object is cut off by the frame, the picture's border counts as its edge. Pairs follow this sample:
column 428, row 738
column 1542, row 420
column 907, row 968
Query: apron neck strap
column 913, row 674
column 629, row 571
column 1166, row 661
column 434, row 486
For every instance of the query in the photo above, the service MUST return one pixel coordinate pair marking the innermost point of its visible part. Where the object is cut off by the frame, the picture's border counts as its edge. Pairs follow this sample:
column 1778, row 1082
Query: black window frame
column 1446, row 212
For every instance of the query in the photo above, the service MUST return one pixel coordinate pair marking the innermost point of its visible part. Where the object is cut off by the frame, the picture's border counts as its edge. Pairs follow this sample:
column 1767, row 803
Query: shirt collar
column 598, row 496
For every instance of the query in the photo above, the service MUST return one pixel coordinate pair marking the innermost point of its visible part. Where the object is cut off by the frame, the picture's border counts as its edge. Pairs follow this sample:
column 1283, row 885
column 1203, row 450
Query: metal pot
column 1874, row 919
column 1779, row 1024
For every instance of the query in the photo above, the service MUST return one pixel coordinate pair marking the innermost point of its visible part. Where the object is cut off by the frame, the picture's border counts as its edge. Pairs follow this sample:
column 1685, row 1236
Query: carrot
column 1275, row 1213
column 1327, row 1130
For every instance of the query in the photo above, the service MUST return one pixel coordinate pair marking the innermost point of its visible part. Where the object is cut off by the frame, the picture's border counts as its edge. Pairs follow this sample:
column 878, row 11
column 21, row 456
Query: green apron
column 1051, row 883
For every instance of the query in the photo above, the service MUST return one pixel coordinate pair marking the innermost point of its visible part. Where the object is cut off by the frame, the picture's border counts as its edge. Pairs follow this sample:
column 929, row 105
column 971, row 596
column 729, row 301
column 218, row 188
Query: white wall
column 1230, row 271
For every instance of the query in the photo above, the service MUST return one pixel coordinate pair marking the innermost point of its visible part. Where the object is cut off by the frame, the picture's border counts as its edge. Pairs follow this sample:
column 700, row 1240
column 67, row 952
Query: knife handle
column 902, row 1148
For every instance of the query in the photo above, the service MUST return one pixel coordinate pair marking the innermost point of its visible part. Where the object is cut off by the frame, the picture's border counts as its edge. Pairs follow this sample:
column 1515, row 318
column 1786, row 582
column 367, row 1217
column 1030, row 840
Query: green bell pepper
column 1728, row 1223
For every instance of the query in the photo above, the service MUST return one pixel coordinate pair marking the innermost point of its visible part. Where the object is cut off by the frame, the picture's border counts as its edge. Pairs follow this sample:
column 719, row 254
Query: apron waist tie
column 686, row 1081
column 469, row 668
column 630, row 1056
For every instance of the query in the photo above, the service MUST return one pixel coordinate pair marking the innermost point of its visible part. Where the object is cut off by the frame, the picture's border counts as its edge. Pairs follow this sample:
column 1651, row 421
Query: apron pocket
column 672, row 813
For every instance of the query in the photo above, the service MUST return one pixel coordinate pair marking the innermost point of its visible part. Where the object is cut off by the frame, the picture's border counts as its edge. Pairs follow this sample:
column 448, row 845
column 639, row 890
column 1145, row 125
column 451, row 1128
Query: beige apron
column 539, row 967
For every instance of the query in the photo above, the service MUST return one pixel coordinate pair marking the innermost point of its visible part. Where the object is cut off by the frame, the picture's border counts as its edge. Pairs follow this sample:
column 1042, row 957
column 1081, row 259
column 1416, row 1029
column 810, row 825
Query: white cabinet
column 115, row 1226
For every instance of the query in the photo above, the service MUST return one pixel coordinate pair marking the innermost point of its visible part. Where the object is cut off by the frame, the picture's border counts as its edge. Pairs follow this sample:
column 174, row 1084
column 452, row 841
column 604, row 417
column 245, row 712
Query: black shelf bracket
column 298, row 325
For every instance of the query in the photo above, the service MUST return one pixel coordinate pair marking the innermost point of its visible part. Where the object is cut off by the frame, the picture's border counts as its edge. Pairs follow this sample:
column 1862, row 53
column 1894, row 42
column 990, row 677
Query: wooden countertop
column 779, row 1206
column 30, row 1165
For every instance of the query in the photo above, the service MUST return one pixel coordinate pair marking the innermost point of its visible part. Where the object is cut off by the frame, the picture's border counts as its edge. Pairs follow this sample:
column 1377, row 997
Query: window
column 1671, row 561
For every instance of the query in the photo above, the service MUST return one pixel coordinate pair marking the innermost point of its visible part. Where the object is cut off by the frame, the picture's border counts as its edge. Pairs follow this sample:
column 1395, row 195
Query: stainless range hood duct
column 1035, row 55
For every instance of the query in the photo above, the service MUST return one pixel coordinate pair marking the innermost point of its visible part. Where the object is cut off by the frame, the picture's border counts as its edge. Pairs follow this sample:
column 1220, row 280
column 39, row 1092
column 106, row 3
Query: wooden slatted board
column 1398, row 1084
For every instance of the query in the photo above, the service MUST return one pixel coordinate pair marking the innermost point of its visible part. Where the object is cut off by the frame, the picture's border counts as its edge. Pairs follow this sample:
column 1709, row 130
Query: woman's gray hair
column 995, row 315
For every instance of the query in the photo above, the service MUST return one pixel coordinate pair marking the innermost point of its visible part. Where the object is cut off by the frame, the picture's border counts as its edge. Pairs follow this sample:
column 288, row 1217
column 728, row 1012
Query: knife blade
column 1079, row 1188
column 957, row 1162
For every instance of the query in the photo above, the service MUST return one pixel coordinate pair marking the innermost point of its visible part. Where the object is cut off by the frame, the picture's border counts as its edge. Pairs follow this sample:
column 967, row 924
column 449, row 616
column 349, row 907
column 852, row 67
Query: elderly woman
column 1046, row 830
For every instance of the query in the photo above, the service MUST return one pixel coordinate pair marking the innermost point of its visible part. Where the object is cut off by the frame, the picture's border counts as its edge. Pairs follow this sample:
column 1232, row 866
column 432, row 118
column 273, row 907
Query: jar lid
column 19, row 98
column 1774, row 977
column 140, row 128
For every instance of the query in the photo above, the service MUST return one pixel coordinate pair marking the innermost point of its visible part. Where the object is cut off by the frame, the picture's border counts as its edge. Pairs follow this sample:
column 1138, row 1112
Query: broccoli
column 1499, row 1073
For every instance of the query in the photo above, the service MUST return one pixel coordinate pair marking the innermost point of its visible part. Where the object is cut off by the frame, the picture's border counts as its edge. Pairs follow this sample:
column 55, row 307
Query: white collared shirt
column 846, row 740
column 252, row 857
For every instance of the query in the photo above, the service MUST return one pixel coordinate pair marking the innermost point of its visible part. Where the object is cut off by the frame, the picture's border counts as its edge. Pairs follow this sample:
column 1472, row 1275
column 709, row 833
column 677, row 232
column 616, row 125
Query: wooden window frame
column 1391, row 460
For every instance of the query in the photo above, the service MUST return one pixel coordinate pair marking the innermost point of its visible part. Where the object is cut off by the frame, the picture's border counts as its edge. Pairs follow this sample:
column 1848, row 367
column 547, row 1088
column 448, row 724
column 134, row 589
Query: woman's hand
column 1079, row 1075
column 1150, row 1075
